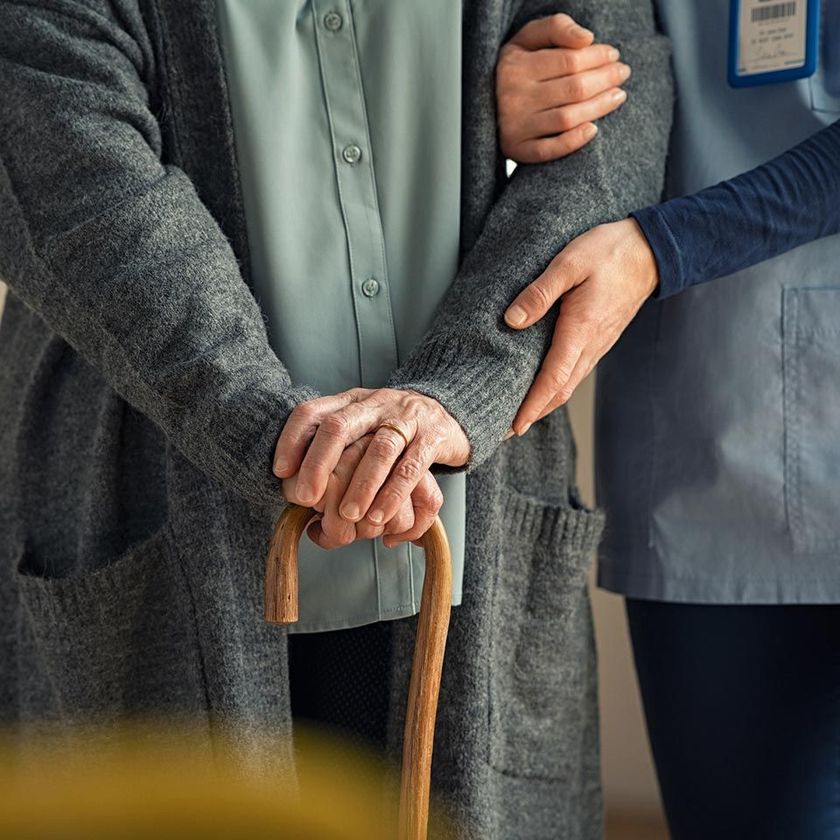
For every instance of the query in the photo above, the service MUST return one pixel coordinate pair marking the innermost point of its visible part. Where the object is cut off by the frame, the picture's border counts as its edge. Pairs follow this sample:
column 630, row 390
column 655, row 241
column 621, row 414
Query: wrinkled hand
column 552, row 82
column 331, row 530
column 603, row 278
column 387, row 471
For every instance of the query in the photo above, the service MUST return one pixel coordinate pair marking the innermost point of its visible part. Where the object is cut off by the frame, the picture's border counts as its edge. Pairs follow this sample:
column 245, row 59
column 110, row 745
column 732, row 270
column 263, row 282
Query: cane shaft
column 281, row 607
column 424, row 688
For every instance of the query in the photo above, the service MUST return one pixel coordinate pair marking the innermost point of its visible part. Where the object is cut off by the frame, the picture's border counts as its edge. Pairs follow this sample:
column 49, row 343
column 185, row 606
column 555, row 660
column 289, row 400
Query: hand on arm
column 604, row 275
column 601, row 279
column 552, row 83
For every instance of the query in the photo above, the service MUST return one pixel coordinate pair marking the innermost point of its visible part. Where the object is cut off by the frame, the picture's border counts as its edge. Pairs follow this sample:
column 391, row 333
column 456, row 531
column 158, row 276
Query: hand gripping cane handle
column 281, row 607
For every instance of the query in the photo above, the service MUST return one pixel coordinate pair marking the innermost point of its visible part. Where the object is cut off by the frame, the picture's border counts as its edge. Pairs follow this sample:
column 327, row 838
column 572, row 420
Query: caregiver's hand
column 331, row 530
column 317, row 433
column 603, row 278
column 552, row 82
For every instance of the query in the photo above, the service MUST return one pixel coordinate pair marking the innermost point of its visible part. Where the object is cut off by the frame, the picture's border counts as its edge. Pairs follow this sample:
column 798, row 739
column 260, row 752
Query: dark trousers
column 340, row 681
column 743, row 712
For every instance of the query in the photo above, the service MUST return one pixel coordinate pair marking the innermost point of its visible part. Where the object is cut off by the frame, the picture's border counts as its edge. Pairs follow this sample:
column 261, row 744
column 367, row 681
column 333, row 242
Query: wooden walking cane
column 281, row 607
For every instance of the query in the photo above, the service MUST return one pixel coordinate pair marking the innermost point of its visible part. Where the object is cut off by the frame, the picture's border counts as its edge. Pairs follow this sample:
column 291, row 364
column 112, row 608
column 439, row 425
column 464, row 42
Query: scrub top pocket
column 811, row 339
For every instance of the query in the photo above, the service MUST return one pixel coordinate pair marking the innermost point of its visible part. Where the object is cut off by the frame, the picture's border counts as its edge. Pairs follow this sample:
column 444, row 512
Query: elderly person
column 178, row 176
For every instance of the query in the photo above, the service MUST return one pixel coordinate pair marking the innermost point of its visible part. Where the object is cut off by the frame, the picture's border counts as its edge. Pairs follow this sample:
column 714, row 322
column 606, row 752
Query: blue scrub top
column 717, row 430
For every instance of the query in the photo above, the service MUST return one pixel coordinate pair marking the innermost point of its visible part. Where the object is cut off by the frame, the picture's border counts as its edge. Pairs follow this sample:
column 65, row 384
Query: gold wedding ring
column 396, row 429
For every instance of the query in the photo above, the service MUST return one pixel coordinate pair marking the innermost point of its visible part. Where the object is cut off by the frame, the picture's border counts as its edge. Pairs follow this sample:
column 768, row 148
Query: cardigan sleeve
column 470, row 360
column 117, row 253
column 784, row 203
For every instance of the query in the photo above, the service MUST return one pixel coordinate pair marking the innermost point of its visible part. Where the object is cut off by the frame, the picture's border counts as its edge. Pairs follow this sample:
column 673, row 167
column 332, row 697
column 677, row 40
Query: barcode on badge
column 774, row 12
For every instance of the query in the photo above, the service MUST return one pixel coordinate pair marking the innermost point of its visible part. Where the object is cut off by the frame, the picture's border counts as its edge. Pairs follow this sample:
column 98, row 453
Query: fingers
column 528, row 83
column 564, row 272
column 426, row 501
column 404, row 521
column 558, row 132
column 405, row 476
column 331, row 437
column 581, row 86
column 389, row 470
column 618, row 275
column 553, row 121
column 553, row 31
column 552, row 380
column 300, row 428
column 552, row 63
column 413, row 518
column 336, row 431
column 435, row 436
column 332, row 531
column 337, row 529
column 385, row 447
column 544, row 149
column 583, row 368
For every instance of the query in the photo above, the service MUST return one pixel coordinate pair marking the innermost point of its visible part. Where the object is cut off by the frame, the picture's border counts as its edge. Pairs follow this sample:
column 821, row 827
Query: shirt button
column 371, row 287
column 333, row 21
column 352, row 154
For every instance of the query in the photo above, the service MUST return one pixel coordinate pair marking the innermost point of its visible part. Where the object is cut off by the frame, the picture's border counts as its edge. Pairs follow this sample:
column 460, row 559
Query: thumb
column 534, row 301
column 554, row 31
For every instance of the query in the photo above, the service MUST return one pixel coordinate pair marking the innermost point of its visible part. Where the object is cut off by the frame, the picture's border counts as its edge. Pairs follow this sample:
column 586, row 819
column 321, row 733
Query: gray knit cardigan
column 140, row 403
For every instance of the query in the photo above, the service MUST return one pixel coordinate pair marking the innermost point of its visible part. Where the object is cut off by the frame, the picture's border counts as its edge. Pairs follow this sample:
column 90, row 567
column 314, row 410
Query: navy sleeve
column 786, row 202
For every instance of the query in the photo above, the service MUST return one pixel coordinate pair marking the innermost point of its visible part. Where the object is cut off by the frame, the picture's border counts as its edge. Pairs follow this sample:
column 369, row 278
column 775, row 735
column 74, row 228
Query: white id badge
column 772, row 41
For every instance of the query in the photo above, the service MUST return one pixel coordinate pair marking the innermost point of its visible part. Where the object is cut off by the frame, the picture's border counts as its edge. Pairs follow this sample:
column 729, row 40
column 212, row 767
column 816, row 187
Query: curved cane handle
column 281, row 607
column 281, row 568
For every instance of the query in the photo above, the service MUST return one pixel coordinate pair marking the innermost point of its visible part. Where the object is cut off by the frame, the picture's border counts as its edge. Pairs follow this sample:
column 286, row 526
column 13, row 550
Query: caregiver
column 718, row 438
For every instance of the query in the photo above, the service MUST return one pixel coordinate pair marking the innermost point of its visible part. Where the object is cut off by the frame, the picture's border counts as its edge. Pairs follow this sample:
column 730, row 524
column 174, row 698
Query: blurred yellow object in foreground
column 160, row 783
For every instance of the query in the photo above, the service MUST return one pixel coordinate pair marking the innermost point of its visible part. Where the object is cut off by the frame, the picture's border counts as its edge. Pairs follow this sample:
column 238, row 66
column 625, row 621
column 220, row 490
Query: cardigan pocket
column 116, row 642
column 543, row 703
column 811, row 337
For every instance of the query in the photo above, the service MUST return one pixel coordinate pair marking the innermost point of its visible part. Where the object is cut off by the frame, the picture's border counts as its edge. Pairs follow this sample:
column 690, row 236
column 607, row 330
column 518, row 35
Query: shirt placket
column 356, row 182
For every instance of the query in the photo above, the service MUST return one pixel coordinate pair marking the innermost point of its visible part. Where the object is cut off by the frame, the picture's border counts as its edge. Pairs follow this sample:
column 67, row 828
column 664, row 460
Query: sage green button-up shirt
column 347, row 120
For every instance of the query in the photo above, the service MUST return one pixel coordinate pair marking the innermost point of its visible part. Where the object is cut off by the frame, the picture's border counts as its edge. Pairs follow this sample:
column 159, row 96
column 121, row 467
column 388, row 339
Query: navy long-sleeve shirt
column 786, row 202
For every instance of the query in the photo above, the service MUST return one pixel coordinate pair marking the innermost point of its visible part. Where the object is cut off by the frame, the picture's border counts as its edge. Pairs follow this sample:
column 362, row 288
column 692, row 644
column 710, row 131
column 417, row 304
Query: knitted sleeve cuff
column 482, row 398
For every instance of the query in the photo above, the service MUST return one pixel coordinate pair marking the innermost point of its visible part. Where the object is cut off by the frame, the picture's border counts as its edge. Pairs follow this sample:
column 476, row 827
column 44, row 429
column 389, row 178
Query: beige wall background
column 631, row 794
column 630, row 790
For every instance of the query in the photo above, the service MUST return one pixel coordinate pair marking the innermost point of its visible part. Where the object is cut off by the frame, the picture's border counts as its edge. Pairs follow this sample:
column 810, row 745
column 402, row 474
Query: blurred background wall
column 631, row 794
column 632, row 799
